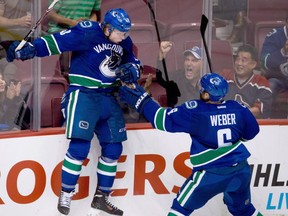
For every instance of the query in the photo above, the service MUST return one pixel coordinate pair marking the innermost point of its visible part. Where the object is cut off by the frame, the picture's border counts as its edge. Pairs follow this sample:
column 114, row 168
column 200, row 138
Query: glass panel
column 15, row 110
column 232, row 24
column 260, row 24
column 176, row 26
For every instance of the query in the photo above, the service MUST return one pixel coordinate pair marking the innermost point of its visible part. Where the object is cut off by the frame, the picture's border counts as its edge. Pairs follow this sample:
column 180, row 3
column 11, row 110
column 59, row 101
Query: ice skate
column 101, row 204
column 64, row 202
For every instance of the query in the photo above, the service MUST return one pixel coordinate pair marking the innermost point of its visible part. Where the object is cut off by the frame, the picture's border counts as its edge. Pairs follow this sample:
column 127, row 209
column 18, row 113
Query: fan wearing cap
column 90, row 104
column 186, row 78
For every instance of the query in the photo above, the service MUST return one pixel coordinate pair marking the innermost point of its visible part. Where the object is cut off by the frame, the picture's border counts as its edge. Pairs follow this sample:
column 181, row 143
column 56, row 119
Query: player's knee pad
column 79, row 149
column 111, row 150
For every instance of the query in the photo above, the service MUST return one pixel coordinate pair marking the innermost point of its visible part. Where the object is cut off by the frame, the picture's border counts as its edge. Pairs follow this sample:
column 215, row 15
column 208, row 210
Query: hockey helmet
column 118, row 19
column 215, row 85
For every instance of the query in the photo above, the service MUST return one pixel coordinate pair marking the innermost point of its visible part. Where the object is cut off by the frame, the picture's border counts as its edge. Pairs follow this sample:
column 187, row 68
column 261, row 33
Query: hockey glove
column 27, row 52
column 173, row 93
column 128, row 73
column 171, row 87
column 136, row 97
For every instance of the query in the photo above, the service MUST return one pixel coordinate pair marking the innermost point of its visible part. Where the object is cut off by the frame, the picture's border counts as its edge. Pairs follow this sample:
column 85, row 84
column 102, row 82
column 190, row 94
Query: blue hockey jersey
column 217, row 130
column 94, row 58
column 272, row 59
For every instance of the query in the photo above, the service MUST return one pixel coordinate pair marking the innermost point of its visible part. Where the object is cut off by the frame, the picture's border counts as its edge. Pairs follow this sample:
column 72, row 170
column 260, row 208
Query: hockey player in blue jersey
column 98, row 50
column 218, row 129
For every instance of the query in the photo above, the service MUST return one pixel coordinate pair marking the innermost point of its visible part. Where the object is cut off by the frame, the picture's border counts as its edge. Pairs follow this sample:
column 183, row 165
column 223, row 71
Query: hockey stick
column 158, row 35
column 28, row 36
column 203, row 26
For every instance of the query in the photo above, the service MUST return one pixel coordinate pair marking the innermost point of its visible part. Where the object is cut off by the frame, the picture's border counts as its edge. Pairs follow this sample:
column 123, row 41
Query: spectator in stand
column 69, row 13
column 15, row 18
column 15, row 23
column 274, row 59
column 233, row 12
column 247, row 87
column 11, row 101
column 187, row 79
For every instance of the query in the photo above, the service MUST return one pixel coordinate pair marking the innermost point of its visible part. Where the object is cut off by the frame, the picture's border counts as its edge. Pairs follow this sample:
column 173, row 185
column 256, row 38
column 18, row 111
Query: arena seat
column 175, row 17
column 180, row 21
column 280, row 106
column 148, row 55
column 264, row 10
column 178, row 33
column 157, row 91
column 148, row 70
column 51, row 87
column 141, row 32
column 184, row 11
column 222, row 55
column 56, row 114
column 50, row 67
column 267, row 10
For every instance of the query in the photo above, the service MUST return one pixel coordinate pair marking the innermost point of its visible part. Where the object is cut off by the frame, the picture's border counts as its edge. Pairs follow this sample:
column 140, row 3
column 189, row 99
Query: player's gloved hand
column 28, row 51
column 136, row 97
column 128, row 73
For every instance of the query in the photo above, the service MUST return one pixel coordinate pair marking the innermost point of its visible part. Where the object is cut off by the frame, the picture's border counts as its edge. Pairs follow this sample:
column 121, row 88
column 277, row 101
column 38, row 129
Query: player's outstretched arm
column 158, row 116
column 28, row 51
column 136, row 97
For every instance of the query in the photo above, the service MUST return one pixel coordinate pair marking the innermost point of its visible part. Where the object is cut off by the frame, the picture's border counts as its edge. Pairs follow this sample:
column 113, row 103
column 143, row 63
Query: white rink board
column 27, row 164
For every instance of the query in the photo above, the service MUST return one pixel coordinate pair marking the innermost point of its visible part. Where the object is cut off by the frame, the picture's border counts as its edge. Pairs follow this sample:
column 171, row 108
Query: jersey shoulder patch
column 86, row 24
column 192, row 104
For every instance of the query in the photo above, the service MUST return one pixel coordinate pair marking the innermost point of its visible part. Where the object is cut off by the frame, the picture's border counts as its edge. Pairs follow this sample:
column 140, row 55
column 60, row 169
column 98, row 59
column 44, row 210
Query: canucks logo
column 192, row 104
column 215, row 81
column 109, row 64
column 84, row 125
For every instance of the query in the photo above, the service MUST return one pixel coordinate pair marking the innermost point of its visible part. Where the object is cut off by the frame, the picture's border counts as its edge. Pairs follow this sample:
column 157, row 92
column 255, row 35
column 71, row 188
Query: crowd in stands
column 254, row 64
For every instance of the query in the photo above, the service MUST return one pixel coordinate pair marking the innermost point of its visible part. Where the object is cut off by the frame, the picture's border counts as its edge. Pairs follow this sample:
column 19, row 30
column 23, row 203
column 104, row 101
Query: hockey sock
column 106, row 172
column 71, row 170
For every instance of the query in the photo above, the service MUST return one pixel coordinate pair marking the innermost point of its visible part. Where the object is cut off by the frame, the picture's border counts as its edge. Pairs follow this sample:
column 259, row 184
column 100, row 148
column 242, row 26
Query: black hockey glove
column 28, row 51
column 136, row 97
column 128, row 73
column 173, row 93
column 171, row 87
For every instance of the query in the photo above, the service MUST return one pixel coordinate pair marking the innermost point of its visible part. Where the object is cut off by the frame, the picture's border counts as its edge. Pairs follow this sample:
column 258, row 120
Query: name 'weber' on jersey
column 223, row 119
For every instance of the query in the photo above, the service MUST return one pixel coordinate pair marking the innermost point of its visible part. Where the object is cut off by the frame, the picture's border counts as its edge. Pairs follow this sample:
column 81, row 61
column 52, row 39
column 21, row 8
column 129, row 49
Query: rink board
column 150, row 171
